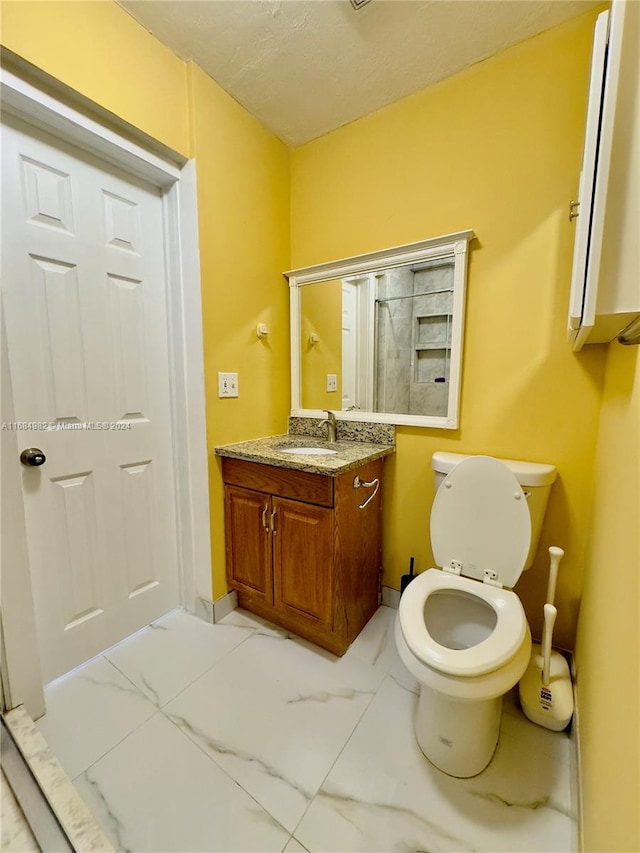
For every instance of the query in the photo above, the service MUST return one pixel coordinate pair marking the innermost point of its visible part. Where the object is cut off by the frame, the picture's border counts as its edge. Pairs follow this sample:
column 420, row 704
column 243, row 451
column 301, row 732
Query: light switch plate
column 227, row 384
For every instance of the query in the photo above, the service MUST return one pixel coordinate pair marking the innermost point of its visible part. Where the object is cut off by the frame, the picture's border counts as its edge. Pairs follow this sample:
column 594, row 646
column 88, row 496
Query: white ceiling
column 306, row 67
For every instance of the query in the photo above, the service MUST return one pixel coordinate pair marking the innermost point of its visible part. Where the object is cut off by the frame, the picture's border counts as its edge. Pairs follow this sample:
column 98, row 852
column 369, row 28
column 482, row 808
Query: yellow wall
column 496, row 148
column 243, row 201
column 100, row 51
column 608, row 642
column 321, row 314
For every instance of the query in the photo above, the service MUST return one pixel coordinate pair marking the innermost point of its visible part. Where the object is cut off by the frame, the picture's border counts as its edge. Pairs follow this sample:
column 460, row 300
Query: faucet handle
column 332, row 425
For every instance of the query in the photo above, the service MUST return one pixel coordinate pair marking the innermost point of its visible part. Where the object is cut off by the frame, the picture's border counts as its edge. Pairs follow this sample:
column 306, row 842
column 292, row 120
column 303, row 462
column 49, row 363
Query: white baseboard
column 390, row 597
column 576, row 773
column 225, row 605
column 204, row 609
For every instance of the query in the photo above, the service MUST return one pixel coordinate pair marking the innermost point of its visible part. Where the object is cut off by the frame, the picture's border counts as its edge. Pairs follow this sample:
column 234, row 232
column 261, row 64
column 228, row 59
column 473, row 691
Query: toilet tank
column 535, row 479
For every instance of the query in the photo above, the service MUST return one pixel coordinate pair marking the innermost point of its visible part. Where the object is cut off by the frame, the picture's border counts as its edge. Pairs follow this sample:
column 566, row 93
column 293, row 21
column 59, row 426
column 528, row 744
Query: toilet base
column 459, row 737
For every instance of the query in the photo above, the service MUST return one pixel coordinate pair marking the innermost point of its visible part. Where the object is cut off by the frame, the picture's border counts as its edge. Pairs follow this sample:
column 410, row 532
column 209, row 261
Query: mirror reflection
column 383, row 340
column 385, row 336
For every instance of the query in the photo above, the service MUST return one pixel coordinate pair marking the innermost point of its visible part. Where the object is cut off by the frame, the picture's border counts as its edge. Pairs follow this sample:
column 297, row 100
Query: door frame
column 91, row 128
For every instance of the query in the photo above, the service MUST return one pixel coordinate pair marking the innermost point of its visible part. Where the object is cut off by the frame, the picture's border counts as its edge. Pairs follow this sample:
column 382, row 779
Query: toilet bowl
column 460, row 630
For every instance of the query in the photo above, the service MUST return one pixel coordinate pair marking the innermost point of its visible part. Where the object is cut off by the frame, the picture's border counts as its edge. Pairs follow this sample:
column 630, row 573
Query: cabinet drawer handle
column 264, row 518
column 272, row 522
column 372, row 484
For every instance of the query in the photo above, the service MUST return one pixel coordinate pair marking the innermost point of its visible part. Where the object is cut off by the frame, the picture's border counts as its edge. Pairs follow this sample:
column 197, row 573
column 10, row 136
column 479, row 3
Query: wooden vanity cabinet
column 300, row 551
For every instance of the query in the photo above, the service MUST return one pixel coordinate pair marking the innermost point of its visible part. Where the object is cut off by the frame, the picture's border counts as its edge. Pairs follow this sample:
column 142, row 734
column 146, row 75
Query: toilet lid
column 481, row 520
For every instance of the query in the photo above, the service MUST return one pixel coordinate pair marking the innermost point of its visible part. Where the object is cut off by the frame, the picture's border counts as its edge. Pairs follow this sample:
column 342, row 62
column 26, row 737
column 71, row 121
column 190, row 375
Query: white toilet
column 461, row 631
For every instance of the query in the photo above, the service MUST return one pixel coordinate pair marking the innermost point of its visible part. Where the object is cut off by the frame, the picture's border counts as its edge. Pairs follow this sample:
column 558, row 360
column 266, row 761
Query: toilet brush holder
column 549, row 705
column 545, row 689
column 405, row 580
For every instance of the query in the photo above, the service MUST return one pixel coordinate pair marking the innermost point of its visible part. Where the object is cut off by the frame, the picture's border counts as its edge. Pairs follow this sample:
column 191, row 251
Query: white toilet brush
column 546, row 695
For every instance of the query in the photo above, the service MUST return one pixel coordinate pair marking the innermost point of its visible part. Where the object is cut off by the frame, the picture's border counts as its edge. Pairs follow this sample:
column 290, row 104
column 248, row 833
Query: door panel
column 138, row 526
column 47, row 195
column 303, row 559
column 84, row 294
column 126, row 314
column 75, row 515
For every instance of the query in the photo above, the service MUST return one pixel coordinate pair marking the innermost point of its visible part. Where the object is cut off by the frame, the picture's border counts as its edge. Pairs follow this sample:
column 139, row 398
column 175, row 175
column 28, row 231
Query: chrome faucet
column 332, row 425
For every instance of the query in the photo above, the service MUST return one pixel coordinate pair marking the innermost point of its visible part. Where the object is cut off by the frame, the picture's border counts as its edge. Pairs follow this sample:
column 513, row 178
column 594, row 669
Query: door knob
column 32, row 457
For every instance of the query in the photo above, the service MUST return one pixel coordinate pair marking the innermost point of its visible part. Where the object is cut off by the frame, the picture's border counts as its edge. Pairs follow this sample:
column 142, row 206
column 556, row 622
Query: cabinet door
column 303, row 544
column 248, row 544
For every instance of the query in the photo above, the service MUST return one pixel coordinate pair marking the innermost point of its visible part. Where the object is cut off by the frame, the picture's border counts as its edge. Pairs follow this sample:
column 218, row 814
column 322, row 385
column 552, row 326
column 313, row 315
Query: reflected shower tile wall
column 393, row 380
column 434, row 277
column 429, row 397
column 394, row 340
column 426, row 396
column 431, row 365
column 432, row 330
column 405, row 380
column 399, row 282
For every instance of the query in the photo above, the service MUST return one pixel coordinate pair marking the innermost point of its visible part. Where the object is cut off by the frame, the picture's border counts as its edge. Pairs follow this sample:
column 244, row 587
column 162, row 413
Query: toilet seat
column 480, row 534
column 480, row 522
column 499, row 647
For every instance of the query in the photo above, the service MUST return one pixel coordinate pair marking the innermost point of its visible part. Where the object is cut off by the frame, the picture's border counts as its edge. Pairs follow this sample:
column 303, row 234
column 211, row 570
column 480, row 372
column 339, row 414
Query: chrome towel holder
column 363, row 484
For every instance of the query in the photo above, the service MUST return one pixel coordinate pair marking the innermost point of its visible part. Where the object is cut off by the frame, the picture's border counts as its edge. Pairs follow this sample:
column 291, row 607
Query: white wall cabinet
column 605, row 289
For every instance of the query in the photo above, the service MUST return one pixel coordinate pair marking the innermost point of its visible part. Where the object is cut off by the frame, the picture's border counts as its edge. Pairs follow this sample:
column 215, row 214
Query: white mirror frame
column 453, row 246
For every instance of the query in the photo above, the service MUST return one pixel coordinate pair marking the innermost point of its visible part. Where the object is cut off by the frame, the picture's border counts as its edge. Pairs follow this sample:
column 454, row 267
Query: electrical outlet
column 227, row 384
column 332, row 382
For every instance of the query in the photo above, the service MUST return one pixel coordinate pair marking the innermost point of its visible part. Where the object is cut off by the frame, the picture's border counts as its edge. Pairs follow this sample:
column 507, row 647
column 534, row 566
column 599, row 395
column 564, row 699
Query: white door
column 83, row 289
column 349, row 346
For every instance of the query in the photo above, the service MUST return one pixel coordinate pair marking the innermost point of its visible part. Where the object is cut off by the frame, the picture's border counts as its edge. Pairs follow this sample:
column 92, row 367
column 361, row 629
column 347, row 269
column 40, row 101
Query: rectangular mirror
column 378, row 337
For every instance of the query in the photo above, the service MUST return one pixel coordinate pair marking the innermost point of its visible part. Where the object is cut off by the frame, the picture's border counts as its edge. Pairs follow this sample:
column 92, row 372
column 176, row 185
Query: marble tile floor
column 239, row 737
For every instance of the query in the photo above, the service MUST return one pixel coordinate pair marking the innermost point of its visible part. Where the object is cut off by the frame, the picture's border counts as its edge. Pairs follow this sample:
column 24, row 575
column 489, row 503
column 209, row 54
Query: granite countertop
column 349, row 454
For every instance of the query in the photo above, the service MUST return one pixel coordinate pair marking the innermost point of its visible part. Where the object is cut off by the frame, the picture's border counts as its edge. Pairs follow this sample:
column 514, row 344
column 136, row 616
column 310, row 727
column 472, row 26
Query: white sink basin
column 309, row 451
